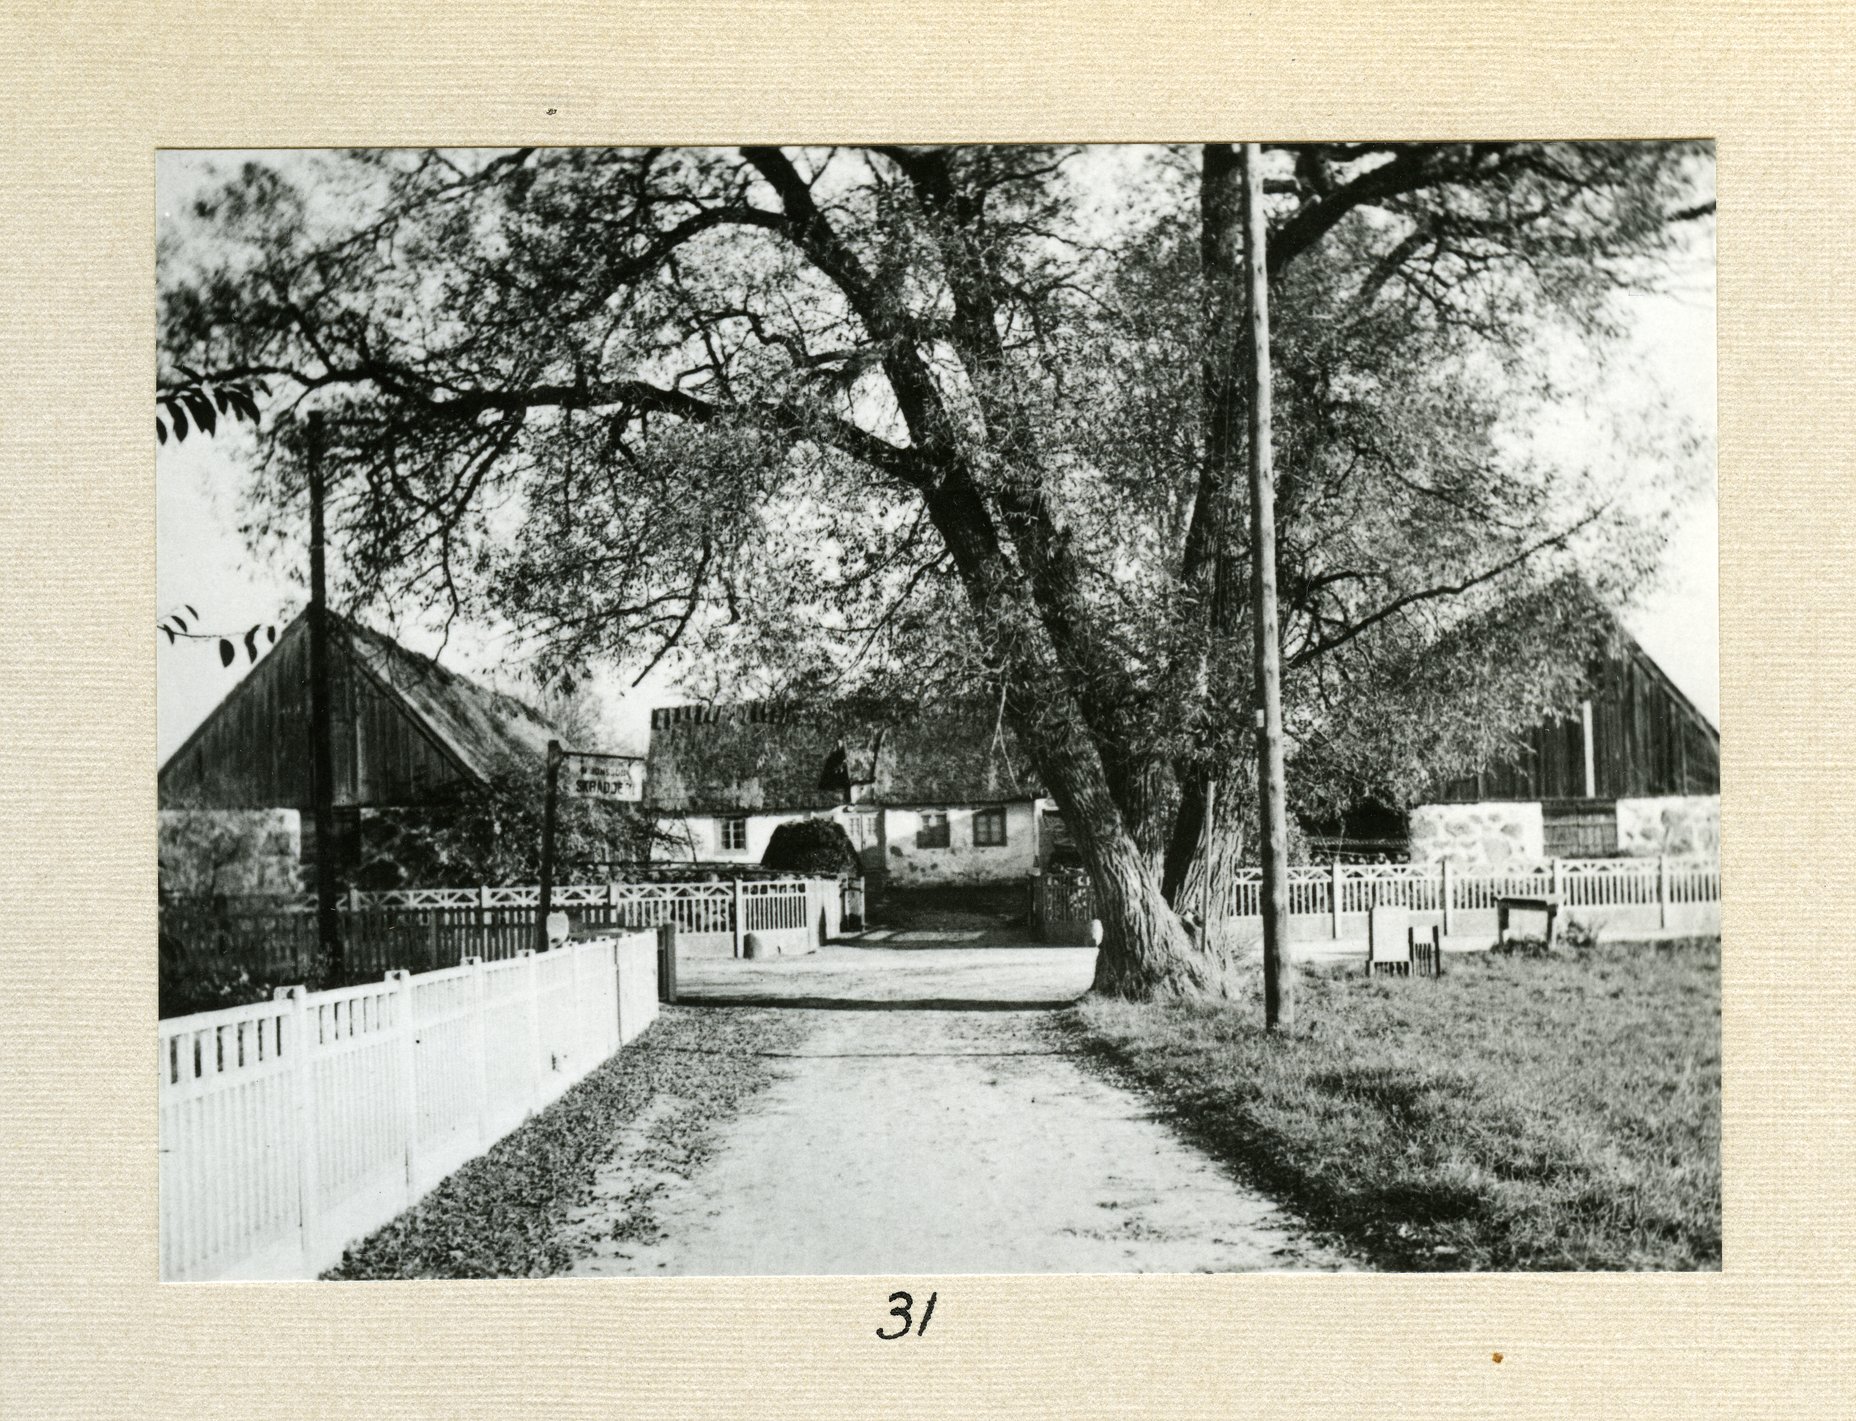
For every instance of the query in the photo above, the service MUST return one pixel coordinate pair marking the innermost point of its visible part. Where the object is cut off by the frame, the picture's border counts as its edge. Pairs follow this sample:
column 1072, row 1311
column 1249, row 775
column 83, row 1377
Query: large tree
column 913, row 421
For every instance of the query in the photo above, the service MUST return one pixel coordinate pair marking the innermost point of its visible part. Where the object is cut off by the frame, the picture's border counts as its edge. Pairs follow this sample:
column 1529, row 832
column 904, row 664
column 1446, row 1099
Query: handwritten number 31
column 904, row 1310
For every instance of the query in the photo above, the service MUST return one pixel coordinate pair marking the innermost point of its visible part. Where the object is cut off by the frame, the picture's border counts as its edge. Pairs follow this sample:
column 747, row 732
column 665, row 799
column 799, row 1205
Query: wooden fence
column 1334, row 900
column 291, row 1128
column 425, row 929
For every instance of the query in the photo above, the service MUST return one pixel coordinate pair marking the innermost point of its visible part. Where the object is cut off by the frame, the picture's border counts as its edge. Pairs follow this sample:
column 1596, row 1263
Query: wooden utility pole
column 321, row 734
column 1278, row 973
column 1221, row 254
column 545, row 899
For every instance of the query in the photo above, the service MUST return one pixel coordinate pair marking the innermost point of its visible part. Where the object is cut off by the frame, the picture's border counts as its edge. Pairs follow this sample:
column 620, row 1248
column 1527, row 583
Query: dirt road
column 930, row 1119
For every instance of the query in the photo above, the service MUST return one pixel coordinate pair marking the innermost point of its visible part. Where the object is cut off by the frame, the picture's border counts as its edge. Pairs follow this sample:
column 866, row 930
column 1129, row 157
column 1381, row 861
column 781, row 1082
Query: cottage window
column 735, row 833
column 989, row 828
column 933, row 832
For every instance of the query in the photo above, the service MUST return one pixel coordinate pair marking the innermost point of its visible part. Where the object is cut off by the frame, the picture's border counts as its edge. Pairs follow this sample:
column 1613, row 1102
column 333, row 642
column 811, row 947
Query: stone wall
column 1677, row 825
column 1490, row 835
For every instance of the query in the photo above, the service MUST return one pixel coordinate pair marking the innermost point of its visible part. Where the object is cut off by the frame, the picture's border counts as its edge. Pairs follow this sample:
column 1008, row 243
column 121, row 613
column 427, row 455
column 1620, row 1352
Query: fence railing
column 426, row 929
column 292, row 1127
column 1334, row 899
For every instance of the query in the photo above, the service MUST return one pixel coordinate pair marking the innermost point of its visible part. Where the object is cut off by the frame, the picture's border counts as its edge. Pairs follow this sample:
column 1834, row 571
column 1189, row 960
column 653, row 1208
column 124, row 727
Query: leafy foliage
column 910, row 422
column 206, row 401
column 184, row 625
column 205, row 852
column 492, row 836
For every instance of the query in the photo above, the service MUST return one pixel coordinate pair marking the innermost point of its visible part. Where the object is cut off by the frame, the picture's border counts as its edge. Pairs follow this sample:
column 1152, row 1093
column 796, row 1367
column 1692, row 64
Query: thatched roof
column 485, row 730
column 714, row 759
column 408, row 729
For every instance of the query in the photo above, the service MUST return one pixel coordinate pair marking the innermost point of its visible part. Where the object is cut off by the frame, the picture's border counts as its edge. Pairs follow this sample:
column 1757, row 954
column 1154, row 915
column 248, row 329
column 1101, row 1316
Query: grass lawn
column 1523, row 1113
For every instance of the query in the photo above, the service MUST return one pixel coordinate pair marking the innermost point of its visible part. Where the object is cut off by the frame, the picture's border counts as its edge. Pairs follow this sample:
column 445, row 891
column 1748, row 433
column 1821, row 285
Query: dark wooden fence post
column 667, row 963
column 544, row 900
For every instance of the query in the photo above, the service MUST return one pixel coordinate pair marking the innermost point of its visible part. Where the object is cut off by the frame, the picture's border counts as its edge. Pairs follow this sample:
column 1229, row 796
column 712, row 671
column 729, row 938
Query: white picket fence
column 792, row 915
column 291, row 1128
column 1648, row 893
column 1334, row 900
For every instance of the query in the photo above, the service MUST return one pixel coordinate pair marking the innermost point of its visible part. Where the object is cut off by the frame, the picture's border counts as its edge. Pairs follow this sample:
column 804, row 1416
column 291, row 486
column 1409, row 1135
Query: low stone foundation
column 1488, row 835
column 1676, row 825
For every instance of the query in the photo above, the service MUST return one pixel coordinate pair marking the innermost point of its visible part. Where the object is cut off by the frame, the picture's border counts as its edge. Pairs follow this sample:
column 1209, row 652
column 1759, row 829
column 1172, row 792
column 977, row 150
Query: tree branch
column 1428, row 594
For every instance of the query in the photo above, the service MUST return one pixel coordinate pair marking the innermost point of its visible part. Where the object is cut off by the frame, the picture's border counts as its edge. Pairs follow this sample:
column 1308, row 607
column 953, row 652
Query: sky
column 201, row 559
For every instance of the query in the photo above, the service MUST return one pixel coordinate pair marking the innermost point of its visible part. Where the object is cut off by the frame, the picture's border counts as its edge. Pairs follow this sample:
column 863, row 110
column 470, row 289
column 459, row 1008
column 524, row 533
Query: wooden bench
column 1550, row 907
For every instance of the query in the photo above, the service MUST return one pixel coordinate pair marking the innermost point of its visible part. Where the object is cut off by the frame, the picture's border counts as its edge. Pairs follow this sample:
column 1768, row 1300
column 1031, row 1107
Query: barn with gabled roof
column 408, row 732
column 1636, row 769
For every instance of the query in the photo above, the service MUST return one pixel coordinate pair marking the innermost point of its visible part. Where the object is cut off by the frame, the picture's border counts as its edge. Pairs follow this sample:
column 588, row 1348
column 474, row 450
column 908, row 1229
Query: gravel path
column 927, row 1117
column 511, row 1212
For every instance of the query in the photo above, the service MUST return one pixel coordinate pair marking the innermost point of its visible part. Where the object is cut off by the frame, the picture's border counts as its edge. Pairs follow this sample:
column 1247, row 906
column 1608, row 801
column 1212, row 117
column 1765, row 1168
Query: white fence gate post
column 609, row 965
column 409, row 1068
column 1662, row 891
column 740, row 918
column 302, row 1071
column 480, row 1023
column 531, row 979
column 582, row 1042
column 1334, row 889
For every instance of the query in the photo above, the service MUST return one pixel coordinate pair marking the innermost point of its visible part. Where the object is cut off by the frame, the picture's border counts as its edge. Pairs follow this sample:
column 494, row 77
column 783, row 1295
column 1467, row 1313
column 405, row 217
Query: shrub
column 815, row 846
column 203, row 852
column 492, row 834
column 1578, row 936
column 1573, row 938
column 204, row 967
column 1522, row 945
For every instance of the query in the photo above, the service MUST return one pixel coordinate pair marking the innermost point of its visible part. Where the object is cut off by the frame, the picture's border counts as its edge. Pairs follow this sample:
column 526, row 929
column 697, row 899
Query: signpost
column 596, row 776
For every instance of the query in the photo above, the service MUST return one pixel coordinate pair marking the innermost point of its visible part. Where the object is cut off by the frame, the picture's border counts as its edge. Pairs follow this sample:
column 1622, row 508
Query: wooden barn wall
column 1553, row 767
column 253, row 752
column 1645, row 742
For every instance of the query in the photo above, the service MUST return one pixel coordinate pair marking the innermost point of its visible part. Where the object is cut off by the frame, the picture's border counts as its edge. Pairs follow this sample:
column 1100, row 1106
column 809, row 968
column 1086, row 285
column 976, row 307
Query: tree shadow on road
column 870, row 1004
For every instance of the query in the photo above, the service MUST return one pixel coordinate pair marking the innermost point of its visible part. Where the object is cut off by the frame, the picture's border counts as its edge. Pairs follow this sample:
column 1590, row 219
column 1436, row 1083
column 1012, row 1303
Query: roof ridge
column 424, row 662
column 768, row 711
column 705, row 757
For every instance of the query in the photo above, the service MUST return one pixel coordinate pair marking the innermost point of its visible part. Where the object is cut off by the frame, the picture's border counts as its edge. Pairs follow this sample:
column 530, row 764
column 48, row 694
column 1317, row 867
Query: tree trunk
column 1203, row 890
column 1146, row 949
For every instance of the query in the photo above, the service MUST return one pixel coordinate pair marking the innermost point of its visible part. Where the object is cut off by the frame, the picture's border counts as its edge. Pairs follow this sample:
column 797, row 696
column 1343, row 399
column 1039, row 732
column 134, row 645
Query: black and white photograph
column 921, row 710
